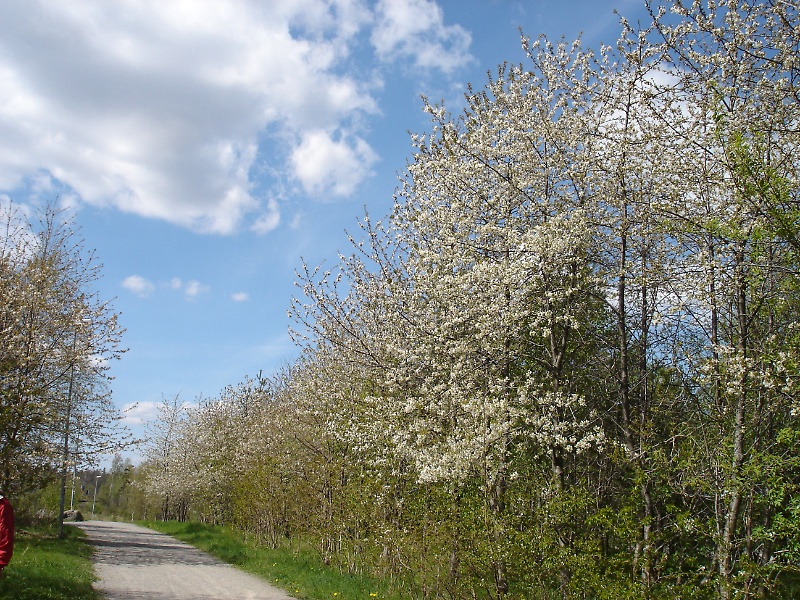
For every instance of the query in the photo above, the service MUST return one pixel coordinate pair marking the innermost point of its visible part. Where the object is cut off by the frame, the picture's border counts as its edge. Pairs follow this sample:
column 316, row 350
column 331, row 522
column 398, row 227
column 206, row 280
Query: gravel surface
column 135, row 562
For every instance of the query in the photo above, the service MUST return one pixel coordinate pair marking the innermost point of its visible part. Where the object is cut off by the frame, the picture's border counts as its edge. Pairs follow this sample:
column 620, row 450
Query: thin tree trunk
column 725, row 547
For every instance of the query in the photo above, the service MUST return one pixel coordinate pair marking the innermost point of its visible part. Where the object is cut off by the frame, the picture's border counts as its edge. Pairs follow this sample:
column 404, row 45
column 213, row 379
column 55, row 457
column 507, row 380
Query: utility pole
column 66, row 441
column 96, row 479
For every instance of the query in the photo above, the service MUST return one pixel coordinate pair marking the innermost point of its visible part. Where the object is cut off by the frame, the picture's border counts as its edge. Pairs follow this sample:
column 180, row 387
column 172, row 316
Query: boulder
column 73, row 515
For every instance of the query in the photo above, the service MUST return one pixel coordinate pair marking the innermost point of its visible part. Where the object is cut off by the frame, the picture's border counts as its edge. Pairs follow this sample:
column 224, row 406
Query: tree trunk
column 726, row 546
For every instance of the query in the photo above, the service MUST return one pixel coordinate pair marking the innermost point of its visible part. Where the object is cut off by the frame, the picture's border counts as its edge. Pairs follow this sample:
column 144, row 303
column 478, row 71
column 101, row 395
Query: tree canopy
column 57, row 336
column 566, row 364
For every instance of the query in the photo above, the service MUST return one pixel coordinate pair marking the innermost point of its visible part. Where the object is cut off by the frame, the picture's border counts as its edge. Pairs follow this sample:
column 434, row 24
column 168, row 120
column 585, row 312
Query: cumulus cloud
column 139, row 413
column 191, row 289
column 240, row 297
column 167, row 109
column 138, row 285
column 415, row 29
column 269, row 219
column 329, row 167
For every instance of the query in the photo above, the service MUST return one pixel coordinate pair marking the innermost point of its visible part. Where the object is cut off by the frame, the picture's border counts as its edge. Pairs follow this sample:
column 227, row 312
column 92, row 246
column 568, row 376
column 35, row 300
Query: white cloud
column 326, row 166
column 138, row 413
column 157, row 108
column 143, row 287
column 415, row 29
column 138, row 285
column 166, row 109
column 192, row 289
column 269, row 219
column 240, row 297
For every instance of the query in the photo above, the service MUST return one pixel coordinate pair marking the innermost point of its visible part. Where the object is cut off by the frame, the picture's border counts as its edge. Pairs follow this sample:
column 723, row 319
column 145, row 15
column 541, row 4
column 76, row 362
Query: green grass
column 45, row 567
column 300, row 573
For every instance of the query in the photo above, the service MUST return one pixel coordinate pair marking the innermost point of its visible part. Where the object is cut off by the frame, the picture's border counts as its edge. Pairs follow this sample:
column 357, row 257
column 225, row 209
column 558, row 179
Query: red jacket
column 6, row 532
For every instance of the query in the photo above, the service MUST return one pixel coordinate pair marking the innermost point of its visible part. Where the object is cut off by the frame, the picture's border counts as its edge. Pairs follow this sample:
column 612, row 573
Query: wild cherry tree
column 165, row 456
column 733, row 202
column 566, row 362
column 479, row 286
column 58, row 337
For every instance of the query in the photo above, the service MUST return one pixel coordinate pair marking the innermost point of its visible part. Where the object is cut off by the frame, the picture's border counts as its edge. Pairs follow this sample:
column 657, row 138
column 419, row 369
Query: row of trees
column 567, row 363
column 57, row 337
column 95, row 493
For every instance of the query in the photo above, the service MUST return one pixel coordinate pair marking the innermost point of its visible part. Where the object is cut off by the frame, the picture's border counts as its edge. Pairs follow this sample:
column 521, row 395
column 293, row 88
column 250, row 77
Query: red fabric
column 6, row 532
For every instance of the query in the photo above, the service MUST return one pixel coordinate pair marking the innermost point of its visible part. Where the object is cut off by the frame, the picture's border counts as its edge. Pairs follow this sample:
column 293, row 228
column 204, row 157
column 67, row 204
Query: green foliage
column 566, row 365
column 57, row 338
column 41, row 502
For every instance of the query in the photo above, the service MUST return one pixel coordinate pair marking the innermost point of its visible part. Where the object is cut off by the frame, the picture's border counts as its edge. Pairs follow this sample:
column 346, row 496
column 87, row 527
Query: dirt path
column 134, row 562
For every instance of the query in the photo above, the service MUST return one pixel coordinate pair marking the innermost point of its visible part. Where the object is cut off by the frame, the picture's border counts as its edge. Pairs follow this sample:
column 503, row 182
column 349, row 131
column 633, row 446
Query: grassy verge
column 301, row 574
column 45, row 567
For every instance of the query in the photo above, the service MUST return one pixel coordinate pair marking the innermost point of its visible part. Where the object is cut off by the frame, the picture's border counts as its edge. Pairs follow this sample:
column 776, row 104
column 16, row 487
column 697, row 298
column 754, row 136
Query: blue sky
column 208, row 147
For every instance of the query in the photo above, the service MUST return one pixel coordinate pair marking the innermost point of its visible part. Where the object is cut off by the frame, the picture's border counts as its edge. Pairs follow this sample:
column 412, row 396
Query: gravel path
column 134, row 562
